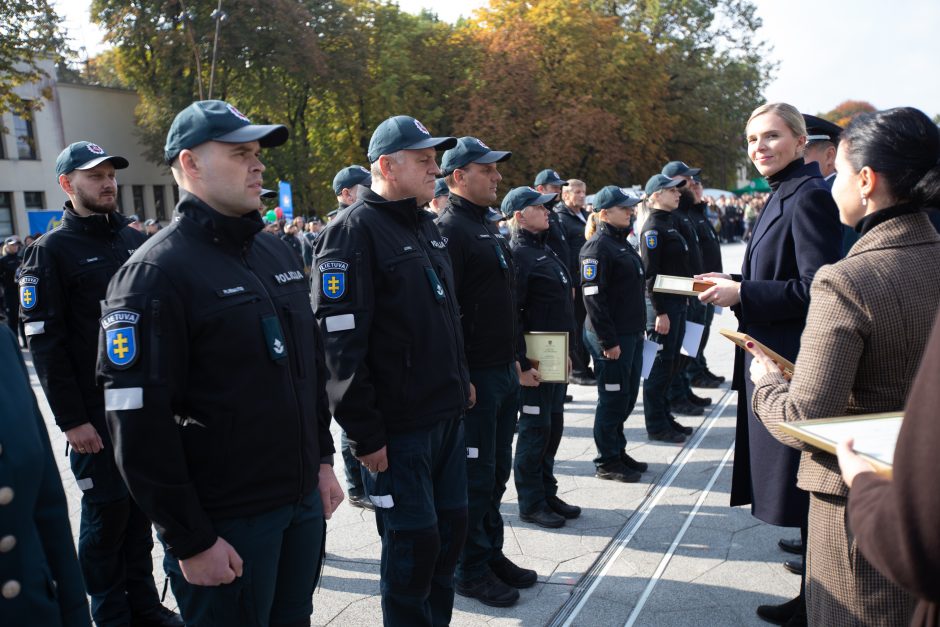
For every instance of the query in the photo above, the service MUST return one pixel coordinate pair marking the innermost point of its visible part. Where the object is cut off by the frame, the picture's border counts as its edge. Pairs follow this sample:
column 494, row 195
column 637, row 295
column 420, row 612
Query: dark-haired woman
column 869, row 319
column 796, row 233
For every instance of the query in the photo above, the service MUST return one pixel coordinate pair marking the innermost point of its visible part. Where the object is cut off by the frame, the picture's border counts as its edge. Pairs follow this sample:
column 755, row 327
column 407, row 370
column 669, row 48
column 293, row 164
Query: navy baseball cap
column 440, row 188
column 268, row 193
column 661, row 181
column 349, row 177
column 679, row 168
column 403, row 132
column 216, row 120
column 613, row 196
column 84, row 156
column 470, row 150
column 549, row 177
column 818, row 129
column 521, row 197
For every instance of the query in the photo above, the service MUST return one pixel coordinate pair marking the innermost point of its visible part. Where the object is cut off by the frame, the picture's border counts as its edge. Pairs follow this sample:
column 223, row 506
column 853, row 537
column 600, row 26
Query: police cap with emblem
column 661, row 181
column 216, row 120
column 470, row 150
column 679, row 168
column 820, row 130
column 613, row 196
column 84, row 156
column 403, row 132
column 440, row 188
column 549, row 177
column 349, row 177
column 521, row 197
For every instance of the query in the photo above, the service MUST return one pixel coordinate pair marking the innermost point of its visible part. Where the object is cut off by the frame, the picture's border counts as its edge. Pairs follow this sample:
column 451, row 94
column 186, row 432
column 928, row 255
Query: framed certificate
column 548, row 353
column 741, row 339
column 876, row 436
column 683, row 285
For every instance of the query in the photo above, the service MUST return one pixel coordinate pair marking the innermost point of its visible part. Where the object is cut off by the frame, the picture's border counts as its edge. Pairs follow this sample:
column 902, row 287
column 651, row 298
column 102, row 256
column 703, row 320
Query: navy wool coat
column 797, row 232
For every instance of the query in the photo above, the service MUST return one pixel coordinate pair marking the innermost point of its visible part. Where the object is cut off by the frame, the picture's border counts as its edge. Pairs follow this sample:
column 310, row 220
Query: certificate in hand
column 741, row 339
column 684, row 285
column 876, row 436
column 548, row 353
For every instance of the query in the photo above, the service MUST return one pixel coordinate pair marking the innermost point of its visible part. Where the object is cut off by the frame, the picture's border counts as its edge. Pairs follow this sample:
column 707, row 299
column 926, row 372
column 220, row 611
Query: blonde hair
column 790, row 115
column 590, row 225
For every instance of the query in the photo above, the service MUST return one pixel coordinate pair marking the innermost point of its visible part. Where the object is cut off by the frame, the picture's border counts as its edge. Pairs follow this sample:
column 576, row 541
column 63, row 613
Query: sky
column 827, row 51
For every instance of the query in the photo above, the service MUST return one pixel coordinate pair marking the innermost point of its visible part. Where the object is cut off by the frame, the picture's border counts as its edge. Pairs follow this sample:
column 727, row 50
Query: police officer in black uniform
column 62, row 281
column 614, row 287
column 483, row 280
column 543, row 303
column 399, row 384
column 664, row 251
column 214, row 387
column 548, row 182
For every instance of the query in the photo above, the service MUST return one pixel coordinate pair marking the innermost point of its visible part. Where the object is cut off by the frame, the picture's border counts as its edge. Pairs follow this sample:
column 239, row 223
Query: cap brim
column 541, row 200
column 494, row 156
column 268, row 135
column 495, row 216
column 119, row 163
column 438, row 143
column 268, row 193
column 674, row 183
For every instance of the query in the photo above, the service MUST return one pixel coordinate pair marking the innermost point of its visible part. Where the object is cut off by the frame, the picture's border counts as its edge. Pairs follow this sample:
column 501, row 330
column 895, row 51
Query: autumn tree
column 844, row 112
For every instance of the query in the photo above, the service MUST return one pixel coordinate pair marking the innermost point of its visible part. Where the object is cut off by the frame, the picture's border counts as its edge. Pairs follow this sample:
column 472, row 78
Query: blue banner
column 43, row 221
column 286, row 200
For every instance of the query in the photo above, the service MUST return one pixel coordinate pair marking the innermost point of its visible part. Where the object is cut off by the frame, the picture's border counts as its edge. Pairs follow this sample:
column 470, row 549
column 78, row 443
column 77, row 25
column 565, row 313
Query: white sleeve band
column 591, row 290
column 342, row 322
column 612, row 387
column 85, row 484
column 35, row 328
column 123, row 399
column 531, row 409
column 385, row 501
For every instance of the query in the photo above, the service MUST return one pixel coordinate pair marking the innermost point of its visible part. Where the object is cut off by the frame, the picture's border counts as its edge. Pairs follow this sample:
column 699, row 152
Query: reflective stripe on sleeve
column 123, row 399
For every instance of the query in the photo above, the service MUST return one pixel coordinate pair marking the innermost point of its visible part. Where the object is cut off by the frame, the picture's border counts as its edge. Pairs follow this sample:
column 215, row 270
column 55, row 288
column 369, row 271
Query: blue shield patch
column 122, row 345
column 652, row 239
column 333, row 279
column 589, row 269
column 28, row 297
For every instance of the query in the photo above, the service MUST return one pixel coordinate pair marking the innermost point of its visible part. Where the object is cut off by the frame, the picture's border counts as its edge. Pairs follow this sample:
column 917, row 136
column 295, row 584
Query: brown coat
column 869, row 319
column 896, row 522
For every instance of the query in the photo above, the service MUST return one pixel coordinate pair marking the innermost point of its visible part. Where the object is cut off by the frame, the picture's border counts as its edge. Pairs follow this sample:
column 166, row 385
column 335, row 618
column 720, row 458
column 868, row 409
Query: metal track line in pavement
column 592, row 579
column 675, row 543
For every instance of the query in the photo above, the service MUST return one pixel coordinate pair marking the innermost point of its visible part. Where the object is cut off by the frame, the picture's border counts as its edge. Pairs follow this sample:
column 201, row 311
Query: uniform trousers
column 352, row 467
column 618, row 385
column 681, row 385
column 421, row 515
column 656, row 407
column 488, row 430
column 541, row 423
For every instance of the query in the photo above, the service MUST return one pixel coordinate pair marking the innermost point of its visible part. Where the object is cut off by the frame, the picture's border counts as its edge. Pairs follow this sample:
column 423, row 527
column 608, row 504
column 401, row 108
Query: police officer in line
column 346, row 184
column 822, row 141
column 614, row 287
column 440, row 200
column 399, row 385
column 214, row 387
column 682, row 399
column 543, row 303
column 664, row 250
column 62, row 281
column 572, row 217
column 483, row 281
column 710, row 245
column 548, row 182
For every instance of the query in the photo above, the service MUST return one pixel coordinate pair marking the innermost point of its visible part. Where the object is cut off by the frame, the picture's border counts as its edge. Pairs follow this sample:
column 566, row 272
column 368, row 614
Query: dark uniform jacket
column 9, row 264
column 387, row 306
column 557, row 239
column 613, row 284
column 483, row 278
column 64, row 278
column 682, row 217
column 543, row 289
column 37, row 553
column 664, row 250
column 573, row 228
column 708, row 241
column 213, row 374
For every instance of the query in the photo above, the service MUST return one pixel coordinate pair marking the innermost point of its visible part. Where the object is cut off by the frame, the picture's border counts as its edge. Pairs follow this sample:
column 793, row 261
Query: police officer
column 543, row 303
column 483, row 280
column 62, row 281
column 822, row 141
column 440, row 200
column 214, row 387
column 548, row 182
column 346, row 184
column 399, row 384
column 10, row 262
column 613, row 283
column 664, row 250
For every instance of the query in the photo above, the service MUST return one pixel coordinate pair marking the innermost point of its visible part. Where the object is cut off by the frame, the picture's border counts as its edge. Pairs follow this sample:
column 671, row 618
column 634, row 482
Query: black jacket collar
column 462, row 206
column 237, row 232
column 101, row 224
column 528, row 238
column 611, row 231
column 405, row 210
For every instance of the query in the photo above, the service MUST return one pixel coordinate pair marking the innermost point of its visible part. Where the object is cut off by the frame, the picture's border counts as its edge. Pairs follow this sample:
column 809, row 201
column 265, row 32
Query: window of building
column 6, row 214
column 25, row 135
column 34, row 200
column 158, row 203
column 137, row 191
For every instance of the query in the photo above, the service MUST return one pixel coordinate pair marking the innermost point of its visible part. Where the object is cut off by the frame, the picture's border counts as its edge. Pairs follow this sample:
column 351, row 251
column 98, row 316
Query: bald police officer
column 399, row 384
column 214, row 387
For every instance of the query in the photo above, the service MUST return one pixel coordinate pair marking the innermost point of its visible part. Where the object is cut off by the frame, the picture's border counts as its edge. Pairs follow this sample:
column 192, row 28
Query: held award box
column 682, row 285
column 875, row 435
column 548, row 353
column 741, row 339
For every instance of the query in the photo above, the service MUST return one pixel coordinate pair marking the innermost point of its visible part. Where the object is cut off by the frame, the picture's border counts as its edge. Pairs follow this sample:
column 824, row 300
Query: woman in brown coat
column 869, row 318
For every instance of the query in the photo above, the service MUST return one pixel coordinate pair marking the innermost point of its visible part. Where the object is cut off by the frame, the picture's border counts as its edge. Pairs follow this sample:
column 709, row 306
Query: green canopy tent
column 758, row 184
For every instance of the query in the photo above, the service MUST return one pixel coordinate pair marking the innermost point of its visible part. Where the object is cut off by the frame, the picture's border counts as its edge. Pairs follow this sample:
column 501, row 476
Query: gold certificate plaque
column 548, row 353
column 741, row 339
column 875, row 436
column 683, row 285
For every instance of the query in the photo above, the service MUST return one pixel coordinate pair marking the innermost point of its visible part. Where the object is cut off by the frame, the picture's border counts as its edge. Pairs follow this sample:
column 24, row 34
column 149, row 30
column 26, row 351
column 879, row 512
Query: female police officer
column 544, row 303
column 612, row 281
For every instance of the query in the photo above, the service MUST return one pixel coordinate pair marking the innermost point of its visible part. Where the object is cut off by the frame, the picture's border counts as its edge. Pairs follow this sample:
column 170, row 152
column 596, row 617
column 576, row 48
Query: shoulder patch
column 120, row 329
column 651, row 238
column 29, row 291
column 588, row 269
column 333, row 278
